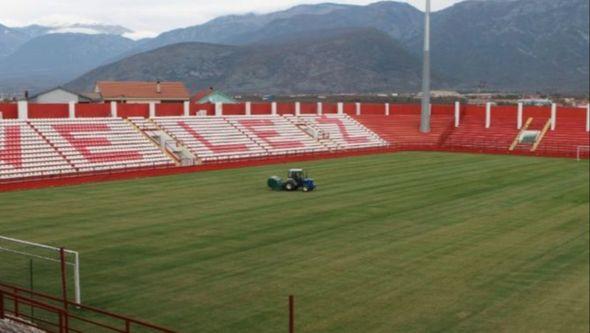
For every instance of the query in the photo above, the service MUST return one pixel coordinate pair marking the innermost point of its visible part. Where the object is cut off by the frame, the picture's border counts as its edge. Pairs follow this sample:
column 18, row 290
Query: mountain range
column 509, row 45
column 36, row 57
column 330, row 61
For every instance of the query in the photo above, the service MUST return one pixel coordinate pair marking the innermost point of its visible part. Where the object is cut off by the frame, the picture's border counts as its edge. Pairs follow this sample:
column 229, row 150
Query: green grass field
column 406, row 242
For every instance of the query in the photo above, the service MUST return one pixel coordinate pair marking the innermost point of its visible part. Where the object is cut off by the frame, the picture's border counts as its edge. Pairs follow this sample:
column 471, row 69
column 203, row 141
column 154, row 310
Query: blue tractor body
column 309, row 184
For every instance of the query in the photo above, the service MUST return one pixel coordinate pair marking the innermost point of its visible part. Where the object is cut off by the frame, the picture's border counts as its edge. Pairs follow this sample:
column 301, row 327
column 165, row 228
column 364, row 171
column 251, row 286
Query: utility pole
column 425, row 117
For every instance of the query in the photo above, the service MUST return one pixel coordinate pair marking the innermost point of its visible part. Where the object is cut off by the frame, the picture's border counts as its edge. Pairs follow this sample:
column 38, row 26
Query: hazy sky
column 149, row 17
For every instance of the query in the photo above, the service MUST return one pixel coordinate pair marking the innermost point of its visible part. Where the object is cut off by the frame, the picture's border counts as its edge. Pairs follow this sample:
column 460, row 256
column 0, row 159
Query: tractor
column 296, row 180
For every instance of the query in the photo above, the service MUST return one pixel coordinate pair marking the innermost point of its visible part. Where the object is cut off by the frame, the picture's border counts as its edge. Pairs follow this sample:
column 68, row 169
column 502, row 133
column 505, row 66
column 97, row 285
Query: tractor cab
column 297, row 179
column 297, row 175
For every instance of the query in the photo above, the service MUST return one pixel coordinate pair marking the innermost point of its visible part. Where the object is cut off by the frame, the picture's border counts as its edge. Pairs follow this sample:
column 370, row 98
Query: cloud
column 60, row 20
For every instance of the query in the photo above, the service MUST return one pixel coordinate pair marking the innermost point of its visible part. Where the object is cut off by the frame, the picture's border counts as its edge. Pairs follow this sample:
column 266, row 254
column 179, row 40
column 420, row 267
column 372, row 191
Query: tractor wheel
column 290, row 186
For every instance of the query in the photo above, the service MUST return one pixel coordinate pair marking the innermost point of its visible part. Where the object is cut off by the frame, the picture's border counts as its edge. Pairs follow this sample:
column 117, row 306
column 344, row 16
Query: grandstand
column 70, row 140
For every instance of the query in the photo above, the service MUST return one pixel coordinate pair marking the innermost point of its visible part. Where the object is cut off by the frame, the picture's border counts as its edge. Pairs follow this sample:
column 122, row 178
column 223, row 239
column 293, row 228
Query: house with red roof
column 142, row 92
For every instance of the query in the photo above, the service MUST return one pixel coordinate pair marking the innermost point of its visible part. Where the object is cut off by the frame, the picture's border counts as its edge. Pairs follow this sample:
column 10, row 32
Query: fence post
column 219, row 109
column 61, row 322
column 66, row 322
column 273, row 108
column 340, row 108
column 519, row 116
column 1, row 304
column 64, row 291
column 387, row 109
column 31, row 286
column 320, row 109
column 457, row 113
column 23, row 110
column 488, row 114
column 553, row 116
column 358, row 109
column 297, row 108
column 72, row 110
column 113, row 109
column 16, row 307
column 291, row 314
column 588, row 118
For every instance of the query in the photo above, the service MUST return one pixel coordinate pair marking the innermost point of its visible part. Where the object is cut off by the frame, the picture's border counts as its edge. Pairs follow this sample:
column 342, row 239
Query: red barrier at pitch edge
column 94, row 177
column 117, row 175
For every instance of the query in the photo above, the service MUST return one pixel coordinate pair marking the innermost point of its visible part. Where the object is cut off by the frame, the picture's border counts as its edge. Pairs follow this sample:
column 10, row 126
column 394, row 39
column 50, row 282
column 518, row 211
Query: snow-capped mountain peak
column 90, row 29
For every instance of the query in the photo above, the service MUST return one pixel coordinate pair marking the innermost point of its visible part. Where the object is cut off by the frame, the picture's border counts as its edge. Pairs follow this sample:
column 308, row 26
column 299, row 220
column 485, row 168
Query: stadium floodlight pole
column 425, row 118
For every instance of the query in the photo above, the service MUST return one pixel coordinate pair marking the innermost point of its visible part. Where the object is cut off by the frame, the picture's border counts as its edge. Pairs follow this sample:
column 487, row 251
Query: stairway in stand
column 534, row 124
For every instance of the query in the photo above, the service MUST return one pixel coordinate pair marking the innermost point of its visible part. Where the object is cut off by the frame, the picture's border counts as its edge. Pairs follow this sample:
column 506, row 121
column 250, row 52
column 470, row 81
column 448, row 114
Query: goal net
column 38, row 267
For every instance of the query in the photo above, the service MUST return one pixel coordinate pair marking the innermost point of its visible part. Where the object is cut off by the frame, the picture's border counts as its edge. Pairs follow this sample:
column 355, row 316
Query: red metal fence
column 47, row 312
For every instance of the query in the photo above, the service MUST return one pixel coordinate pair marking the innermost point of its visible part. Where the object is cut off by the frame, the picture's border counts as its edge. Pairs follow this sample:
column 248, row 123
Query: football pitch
column 405, row 242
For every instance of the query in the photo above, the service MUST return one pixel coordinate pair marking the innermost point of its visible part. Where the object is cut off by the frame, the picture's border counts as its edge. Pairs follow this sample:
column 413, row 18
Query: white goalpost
column 579, row 151
column 45, row 253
